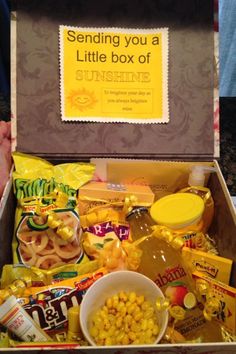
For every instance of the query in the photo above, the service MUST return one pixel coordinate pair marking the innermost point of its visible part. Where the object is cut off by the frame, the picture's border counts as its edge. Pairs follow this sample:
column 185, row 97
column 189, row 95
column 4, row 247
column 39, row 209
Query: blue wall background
column 227, row 42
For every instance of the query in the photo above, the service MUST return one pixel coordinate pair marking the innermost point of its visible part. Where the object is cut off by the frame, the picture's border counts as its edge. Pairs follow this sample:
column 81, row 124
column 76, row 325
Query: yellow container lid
column 177, row 210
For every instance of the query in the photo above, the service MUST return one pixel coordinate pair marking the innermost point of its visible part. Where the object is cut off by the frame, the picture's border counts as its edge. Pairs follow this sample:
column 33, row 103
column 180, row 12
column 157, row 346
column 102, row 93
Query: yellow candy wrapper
column 47, row 224
column 40, row 277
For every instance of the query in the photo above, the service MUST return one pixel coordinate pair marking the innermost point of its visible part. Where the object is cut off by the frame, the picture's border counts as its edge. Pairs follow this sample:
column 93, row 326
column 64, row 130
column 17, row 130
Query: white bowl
column 111, row 284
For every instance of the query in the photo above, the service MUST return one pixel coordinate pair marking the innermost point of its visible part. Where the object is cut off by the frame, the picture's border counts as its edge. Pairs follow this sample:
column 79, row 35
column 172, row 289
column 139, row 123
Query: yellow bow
column 129, row 203
column 54, row 222
column 212, row 306
column 16, row 288
column 167, row 235
column 177, row 312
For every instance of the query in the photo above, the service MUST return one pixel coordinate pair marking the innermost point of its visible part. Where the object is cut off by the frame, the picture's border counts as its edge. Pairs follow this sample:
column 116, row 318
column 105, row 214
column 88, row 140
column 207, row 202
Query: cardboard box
column 187, row 138
column 117, row 192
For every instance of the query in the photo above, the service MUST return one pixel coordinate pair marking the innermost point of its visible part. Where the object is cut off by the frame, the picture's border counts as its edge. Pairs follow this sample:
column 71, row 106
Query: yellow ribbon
column 167, row 235
column 127, row 205
column 201, row 241
column 13, row 290
column 54, row 222
column 162, row 304
column 61, row 198
column 20, row 286
column 16, row 288
column 228, row 337
column 177, row 312
column 212, row 306
column 164, row 233
column 133, row 253
column 39, row 274
column 202, row 288
column 205, row 243
column 4, row 294
column 206, row 194
column 65, row 232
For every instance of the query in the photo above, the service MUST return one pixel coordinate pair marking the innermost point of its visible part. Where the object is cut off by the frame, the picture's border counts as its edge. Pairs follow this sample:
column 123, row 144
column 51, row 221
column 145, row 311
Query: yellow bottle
column 74, row 331
column 163, row 264
column 196, row 186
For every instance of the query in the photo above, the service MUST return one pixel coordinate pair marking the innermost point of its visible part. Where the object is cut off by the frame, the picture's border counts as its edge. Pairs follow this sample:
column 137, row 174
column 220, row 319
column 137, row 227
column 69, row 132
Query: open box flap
column 40, row 130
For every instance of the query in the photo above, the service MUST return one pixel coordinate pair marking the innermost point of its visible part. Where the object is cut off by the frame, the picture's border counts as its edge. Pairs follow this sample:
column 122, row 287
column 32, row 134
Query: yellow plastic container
column 179, row 211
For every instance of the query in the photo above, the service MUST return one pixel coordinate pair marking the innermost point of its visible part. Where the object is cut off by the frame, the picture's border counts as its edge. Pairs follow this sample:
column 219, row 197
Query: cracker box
column 157, row 99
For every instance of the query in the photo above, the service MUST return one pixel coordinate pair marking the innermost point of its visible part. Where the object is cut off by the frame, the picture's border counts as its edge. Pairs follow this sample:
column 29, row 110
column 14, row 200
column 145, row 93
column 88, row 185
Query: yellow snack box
column 216, row 267
column 118, row 192
column 226, row 295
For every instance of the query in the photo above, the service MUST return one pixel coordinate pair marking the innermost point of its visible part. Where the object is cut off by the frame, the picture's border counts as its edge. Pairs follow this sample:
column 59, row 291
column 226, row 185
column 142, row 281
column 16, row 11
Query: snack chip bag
column 47, row 225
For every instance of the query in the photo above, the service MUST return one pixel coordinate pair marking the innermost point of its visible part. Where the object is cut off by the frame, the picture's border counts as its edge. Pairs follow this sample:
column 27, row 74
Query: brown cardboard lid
column 189, row 133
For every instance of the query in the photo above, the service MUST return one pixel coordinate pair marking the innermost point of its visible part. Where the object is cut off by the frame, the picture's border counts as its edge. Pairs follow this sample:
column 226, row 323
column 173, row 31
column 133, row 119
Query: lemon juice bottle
column 163, row 264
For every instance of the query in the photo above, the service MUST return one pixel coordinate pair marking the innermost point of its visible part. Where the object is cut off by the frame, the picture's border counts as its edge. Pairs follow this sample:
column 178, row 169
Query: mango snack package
column 101, row 225
column 47, row 230
column 106, row 238
column 48, row 305
column 104, row 227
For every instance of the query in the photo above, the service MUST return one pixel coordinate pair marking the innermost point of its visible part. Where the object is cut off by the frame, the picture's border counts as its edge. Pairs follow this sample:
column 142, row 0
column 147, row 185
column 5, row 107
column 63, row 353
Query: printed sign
column 114, row 75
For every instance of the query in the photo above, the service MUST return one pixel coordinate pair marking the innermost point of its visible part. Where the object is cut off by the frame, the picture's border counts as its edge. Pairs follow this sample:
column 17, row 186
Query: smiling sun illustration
column 82, row 99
